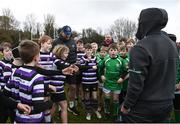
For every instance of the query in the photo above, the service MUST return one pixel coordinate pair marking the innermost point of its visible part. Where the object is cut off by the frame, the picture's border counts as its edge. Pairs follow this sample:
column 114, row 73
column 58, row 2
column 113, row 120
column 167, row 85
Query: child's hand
column 94, row 67
column 52, row 88
column 76, row 69
column 120, row 80
column 25, row 108
column 68, row 71
column 103, row 78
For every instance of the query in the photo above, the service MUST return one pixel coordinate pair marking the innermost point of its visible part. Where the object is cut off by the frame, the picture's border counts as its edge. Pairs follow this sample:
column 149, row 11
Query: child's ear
column 36, row 58
column 41, row 44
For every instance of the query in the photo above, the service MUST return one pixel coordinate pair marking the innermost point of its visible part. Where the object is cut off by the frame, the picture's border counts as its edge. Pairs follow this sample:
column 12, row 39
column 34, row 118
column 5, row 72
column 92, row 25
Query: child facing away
column 27, row 86
column 90, row 82
column 111, row 72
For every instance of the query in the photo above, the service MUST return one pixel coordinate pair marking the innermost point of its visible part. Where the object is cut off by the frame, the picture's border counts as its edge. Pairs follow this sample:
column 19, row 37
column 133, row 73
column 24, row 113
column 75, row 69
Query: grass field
column 82, row 117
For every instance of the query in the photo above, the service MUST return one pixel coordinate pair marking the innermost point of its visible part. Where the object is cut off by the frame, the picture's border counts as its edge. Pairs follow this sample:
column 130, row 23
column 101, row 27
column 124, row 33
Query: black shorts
column 78, row 78
column 90, row 87
column 177, row 102
column 57, row 97
column 71, row 79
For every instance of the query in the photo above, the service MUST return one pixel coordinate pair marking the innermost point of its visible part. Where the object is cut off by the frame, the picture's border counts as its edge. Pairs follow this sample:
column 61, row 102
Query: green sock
column 115, row 108
column 107, row 104
column 177, row 116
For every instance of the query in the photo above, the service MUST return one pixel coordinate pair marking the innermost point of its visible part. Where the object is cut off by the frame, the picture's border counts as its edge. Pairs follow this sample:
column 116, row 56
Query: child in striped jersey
column 80, row 54
column 30, row 84
column 6, row 61
column 61, row 52
column 90, row 82
column 8, row 71
column 46, row 62
column 46, row 56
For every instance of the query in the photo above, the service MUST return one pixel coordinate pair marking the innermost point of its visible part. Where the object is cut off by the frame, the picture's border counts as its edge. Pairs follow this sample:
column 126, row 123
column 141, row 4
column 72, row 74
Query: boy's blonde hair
column 130, row 40
column 59, row 50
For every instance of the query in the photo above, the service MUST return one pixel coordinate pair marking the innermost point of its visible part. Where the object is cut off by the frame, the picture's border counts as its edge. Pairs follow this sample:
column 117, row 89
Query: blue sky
column 92, row 13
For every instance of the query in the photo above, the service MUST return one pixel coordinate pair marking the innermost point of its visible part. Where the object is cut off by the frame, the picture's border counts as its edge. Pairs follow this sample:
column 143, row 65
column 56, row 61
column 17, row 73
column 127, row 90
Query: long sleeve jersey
column 113, row 70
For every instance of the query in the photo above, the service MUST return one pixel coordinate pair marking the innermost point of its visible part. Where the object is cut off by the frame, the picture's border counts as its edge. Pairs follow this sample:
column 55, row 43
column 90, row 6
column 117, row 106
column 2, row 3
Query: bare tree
column 8, row 21
column 49, row 25
column 90, row 35
column 30, row 24
column 123, row 28
column 38, row 30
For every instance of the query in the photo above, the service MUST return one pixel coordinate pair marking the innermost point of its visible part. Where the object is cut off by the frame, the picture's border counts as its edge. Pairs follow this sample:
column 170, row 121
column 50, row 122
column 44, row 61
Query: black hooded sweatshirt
column 153, row 62
column 72, row 48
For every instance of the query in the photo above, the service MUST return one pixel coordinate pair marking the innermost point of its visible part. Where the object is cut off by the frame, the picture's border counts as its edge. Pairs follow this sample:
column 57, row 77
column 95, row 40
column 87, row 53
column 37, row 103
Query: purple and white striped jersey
column 31, row 91
column 4, row 75
column 80, row 54
column 10, row 85
column 46, row 60
column 58, row 80
column 89, row 76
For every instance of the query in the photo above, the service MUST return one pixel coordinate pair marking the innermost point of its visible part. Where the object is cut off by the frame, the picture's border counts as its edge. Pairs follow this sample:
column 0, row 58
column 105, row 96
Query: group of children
column 109, row 78
column 37, row 76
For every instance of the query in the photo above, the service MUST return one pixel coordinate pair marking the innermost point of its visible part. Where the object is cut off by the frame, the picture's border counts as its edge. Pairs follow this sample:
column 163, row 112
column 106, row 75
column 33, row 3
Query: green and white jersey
column 113, row 68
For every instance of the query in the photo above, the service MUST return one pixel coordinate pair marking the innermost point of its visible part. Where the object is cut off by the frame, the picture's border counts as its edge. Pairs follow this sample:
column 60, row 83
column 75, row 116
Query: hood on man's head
column 151, row 20
column 67, row 30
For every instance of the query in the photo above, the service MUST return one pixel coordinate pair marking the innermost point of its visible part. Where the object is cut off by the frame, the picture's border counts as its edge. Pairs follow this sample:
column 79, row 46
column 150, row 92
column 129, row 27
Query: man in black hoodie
column 152, row 71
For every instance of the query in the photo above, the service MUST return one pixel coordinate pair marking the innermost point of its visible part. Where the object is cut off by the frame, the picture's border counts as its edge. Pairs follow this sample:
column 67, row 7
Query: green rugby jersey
column 113, row 69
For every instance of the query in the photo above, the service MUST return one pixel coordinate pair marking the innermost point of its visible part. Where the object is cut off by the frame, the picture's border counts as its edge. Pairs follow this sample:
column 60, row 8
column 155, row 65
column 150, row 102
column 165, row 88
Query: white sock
column 47, row 117
column 71, row 104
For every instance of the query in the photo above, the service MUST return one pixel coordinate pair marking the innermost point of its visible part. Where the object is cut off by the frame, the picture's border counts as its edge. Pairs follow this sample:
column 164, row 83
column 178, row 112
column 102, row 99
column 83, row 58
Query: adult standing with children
column 152, row 71
column 64, row 38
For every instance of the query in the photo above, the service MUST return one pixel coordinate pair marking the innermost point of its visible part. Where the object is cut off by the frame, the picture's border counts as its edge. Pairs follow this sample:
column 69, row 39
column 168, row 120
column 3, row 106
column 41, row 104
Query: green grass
column 82, row 117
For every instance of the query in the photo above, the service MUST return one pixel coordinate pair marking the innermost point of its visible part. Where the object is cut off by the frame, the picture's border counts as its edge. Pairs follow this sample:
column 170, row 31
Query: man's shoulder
column 58, row 40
